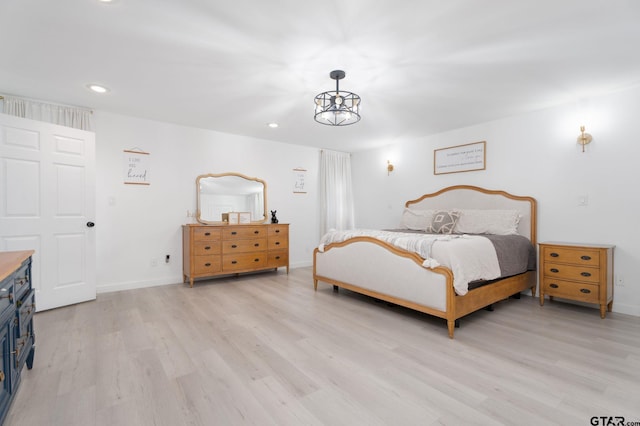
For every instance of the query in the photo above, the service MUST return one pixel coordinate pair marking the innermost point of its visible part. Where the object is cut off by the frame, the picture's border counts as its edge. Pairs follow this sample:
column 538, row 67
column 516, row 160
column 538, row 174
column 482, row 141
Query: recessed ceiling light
column 97, row 88
column 105, row 1
column 273, row 125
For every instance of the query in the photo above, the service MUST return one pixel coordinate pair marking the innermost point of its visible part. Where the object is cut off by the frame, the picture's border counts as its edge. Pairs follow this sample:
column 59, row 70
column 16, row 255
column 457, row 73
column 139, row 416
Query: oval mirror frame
column 230, row 183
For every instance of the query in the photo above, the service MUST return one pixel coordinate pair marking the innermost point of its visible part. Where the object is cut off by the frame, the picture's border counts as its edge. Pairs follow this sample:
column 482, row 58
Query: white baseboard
column 132, row 285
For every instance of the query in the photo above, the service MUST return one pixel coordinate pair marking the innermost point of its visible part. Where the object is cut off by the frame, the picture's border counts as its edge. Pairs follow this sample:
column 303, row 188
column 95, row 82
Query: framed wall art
column 460, row 158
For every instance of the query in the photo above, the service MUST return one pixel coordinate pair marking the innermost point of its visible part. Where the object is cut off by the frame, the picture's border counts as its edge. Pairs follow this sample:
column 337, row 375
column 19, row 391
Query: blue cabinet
column 17, row 339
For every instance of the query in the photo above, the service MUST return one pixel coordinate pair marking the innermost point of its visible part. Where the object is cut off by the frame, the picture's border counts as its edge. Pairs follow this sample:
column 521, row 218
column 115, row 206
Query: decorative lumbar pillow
column 497, row 222
column 418, row 220
column 443, row 221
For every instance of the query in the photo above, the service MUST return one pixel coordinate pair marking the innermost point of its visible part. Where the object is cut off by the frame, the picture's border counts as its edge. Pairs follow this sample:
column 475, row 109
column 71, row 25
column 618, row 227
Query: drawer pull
column 234, row 233
column 585, row 274
column 233, row 262
column 207, row 248
column 207, row 264
column 277, row 231
column 585, row 290
column 256, row 260
column 554, row 270
column 256, row 232
column 277, row 257
column 553, row 285
column 207, row 233
column 554, row 254
column 277, row 243
column 234, row 246
column 585, row 257
column 256, row 245
column 8, row 296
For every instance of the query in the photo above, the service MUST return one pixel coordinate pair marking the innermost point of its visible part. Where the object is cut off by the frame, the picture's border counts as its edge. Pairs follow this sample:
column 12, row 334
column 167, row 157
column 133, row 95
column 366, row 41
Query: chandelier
column 337, row 108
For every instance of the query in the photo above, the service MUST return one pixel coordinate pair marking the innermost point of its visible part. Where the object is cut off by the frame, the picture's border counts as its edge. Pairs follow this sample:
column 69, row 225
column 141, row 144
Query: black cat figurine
column 274, row 219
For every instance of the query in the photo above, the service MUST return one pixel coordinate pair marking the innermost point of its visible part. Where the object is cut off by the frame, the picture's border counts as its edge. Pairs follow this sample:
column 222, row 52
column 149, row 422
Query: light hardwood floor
column 266, row 349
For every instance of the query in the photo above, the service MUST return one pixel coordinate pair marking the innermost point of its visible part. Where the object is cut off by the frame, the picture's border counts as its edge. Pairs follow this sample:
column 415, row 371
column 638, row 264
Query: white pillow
column 418, row 220
column 497, row 222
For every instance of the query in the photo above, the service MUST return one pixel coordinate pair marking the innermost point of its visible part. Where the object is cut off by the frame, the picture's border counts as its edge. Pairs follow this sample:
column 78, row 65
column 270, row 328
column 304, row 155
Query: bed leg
column 533, row 291
column 315, row 285
column 335, row 288
column 451, row 325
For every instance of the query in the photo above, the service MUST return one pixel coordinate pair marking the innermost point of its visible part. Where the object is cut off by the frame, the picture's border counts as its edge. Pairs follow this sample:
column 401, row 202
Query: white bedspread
column 470, row 257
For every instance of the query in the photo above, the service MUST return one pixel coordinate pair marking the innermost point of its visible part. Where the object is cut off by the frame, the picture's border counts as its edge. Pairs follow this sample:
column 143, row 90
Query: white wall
column 534, row 154
column 136, row 224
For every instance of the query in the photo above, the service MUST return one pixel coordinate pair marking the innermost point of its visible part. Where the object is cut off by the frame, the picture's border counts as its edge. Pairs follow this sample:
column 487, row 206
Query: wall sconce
column 584, row 138
column 389, row 167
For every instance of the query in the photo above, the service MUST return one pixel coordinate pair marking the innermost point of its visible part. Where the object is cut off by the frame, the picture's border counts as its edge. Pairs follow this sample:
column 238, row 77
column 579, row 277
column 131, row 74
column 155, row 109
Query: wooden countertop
column 11, row 260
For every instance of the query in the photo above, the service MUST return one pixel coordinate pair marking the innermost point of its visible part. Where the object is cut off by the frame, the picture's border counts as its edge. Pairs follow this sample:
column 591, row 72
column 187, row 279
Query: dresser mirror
column 219, row 194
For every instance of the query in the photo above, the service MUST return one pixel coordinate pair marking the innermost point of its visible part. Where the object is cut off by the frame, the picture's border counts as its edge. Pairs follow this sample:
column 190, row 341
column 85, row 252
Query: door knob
column 90, row 224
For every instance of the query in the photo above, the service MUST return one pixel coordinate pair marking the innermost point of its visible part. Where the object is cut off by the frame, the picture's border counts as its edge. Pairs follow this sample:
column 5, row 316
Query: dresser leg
column 32, row 352
column 541, row 299
column 603, row 311
column 191, row 282
column 610, row 306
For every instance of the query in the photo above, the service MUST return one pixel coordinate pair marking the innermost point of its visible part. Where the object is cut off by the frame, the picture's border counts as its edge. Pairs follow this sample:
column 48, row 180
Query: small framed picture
column 244, row 218
column 234, row 218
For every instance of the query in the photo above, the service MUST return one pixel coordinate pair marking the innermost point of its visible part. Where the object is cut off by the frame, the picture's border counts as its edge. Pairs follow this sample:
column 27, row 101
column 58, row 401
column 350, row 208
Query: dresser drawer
column 244, row 246
column 6, row 295
column 571, row 290
column 24, row 343
column 22, row 280
column 202, row 248
column 571, row 272
column 26, row 309
column 204, row 265
column 278, row 258
column 206, row 233
column 278, row 230
column 244, row 261
column 232, row 232
column 577, row 256
column 279, row 242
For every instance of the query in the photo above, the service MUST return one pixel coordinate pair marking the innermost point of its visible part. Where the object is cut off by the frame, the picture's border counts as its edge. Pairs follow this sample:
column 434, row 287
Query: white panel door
column 47, row 204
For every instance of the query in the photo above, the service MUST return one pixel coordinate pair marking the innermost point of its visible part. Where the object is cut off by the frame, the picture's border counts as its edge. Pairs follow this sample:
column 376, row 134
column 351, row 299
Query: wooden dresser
column 17, row 306
column 581, row 272
column 211, row 250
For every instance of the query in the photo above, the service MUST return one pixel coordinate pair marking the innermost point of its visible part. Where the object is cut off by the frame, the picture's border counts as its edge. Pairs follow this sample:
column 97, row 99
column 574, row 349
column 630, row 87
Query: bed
column 375, row 266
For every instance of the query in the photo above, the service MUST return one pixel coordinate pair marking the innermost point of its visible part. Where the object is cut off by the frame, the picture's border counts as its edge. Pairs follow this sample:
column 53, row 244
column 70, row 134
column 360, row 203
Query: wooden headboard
column 473, row 197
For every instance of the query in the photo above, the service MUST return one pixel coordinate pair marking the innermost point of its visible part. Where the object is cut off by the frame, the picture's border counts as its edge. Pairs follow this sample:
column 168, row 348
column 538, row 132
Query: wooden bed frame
column 372, row 267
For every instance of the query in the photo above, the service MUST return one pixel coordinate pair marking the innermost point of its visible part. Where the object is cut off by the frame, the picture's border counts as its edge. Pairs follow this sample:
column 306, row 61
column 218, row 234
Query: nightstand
column 581, row 272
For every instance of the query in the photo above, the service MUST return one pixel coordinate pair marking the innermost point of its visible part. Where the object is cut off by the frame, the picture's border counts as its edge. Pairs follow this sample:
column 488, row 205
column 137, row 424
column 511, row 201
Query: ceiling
column 421, row 66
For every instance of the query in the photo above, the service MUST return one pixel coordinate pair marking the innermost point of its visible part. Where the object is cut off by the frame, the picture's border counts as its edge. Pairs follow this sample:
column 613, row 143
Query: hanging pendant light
column 337, row 108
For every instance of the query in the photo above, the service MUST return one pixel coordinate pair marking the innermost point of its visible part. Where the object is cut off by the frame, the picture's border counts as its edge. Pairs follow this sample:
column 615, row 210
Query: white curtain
column 256, row 203
column 78, row 118
column 336, row 193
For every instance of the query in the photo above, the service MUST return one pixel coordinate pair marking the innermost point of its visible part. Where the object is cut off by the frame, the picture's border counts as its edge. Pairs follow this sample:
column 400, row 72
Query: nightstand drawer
column 571, row 290
column 572, row 255
column 571, row 272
